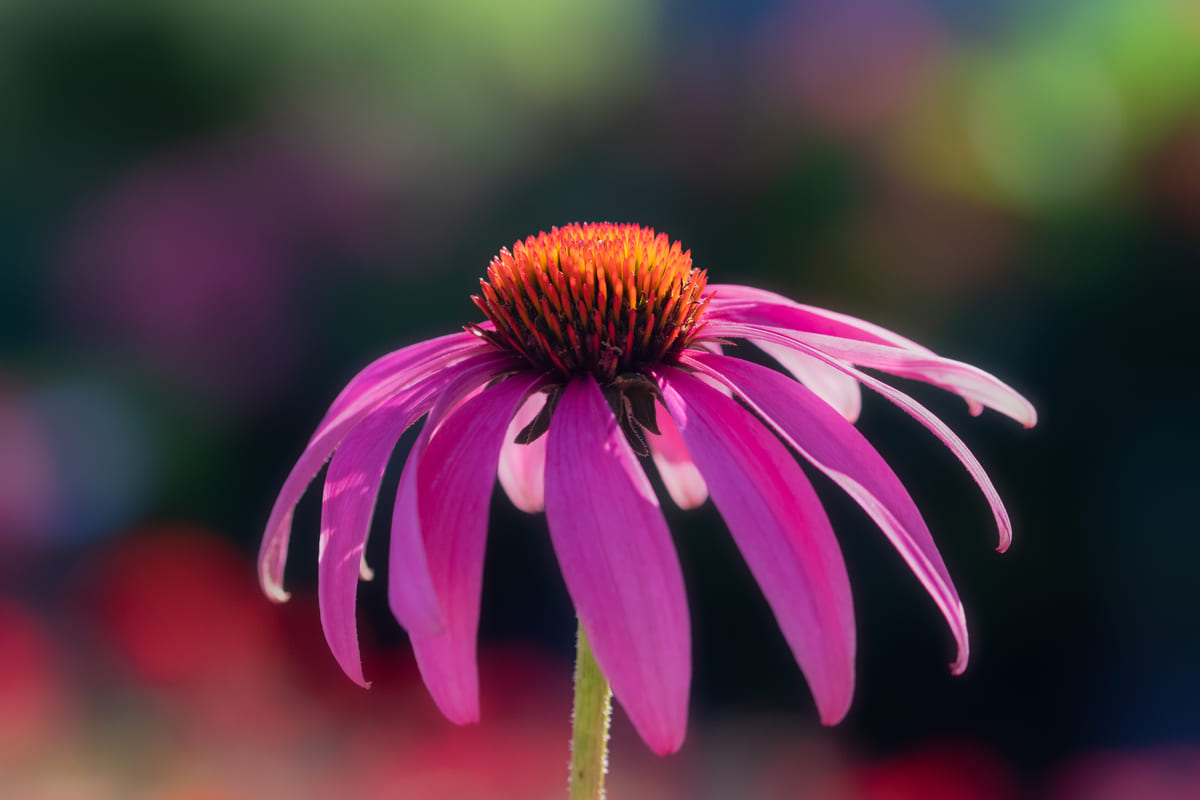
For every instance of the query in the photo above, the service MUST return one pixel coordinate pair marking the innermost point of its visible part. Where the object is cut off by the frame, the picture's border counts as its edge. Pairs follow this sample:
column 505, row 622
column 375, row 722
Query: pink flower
column 603, row 343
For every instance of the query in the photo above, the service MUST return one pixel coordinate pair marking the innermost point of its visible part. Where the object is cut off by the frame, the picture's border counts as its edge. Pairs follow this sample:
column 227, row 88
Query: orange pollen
column 594, row 298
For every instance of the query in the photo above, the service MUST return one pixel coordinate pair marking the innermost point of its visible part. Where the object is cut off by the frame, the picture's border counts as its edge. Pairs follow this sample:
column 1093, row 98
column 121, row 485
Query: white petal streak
column 679, row 474
column 833, row 386
column 522, row 468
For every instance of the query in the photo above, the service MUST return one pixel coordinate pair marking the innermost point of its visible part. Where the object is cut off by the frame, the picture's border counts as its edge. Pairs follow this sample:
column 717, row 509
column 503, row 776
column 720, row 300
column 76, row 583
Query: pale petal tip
column 276, row 594
column 1028, row 416
column 272, row 557
column 523, row 503
column 962, row 639
column 272, row 586
column 1006, row 534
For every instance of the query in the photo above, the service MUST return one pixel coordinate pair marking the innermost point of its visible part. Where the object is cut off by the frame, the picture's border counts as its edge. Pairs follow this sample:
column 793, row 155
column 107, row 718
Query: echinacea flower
column 602, row 343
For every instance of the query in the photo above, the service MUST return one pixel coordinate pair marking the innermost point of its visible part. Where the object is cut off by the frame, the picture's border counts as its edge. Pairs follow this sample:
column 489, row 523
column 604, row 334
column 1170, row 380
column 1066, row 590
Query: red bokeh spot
column 180, row 605
column 34, row 700
column 952, row 771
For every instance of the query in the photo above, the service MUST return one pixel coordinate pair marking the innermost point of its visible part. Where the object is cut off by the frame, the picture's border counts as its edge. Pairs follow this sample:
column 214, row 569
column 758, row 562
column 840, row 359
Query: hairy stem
column 589, row 730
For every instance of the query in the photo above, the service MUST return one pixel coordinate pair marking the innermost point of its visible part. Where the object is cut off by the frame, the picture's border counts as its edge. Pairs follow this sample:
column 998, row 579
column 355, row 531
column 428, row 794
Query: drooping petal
column 351, row 488
column 751, row 306
column 679, row 475
column 913, row 408
column 523, row 466
column 835, row 388
column 411, row 595
column 619, row 564
column 839, row 450
column 781, row 529
column 374, row 383
column 456, row 472
column 970, row 382
column 901, row 357
column 746, row 305
column 386, row 378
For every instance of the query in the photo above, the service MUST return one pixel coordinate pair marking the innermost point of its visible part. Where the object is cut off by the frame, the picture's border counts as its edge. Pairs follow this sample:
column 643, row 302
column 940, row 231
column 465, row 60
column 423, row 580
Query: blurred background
column 213, row 214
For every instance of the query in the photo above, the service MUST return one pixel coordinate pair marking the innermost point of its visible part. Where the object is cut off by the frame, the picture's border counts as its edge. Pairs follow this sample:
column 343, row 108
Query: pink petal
column 378, row 380
column 745, row 305
column 351, row 488
column 781, row 529
column 913, row 408
column 683, row 481
column 898, row 356
column 619, row 564
column 389, row 377
column 411, row 595
column 751, row 306
column 455, row 475
column 523, row 466
column 837, row 448
column 971, row 382
column 835, row 388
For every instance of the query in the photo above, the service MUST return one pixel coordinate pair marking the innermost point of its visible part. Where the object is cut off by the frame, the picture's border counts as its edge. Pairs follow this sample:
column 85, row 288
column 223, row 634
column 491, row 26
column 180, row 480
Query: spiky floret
column 593, row 298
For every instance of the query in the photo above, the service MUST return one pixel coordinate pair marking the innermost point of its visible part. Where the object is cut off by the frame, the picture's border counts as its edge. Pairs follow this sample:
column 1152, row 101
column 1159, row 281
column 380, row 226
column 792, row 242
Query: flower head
column 603, row 343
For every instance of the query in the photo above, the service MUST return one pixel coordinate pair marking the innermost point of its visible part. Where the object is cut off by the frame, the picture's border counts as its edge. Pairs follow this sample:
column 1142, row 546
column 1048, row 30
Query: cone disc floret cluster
column 596, row 298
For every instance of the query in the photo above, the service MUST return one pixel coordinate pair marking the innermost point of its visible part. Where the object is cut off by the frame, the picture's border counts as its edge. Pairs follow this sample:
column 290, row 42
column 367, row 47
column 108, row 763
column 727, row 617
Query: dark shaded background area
column 210, row 218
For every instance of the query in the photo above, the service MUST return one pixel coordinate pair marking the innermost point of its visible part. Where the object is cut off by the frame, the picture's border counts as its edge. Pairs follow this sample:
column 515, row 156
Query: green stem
column 589, row 730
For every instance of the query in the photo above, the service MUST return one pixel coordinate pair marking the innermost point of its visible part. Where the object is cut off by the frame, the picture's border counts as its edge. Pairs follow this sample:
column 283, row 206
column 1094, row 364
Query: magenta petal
column 971, row 382
column 752, row 306
column 779, row 525
column 523, row 466
column 619, row 564
column 977, row 387
column 411, row 596
column 836, row 388
column 351, row 489
column 679, row 475
column 413, row 599
column 455, row 475
column 375, row 382
column 384, row 380
column 837, row 448
column 914, row 409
